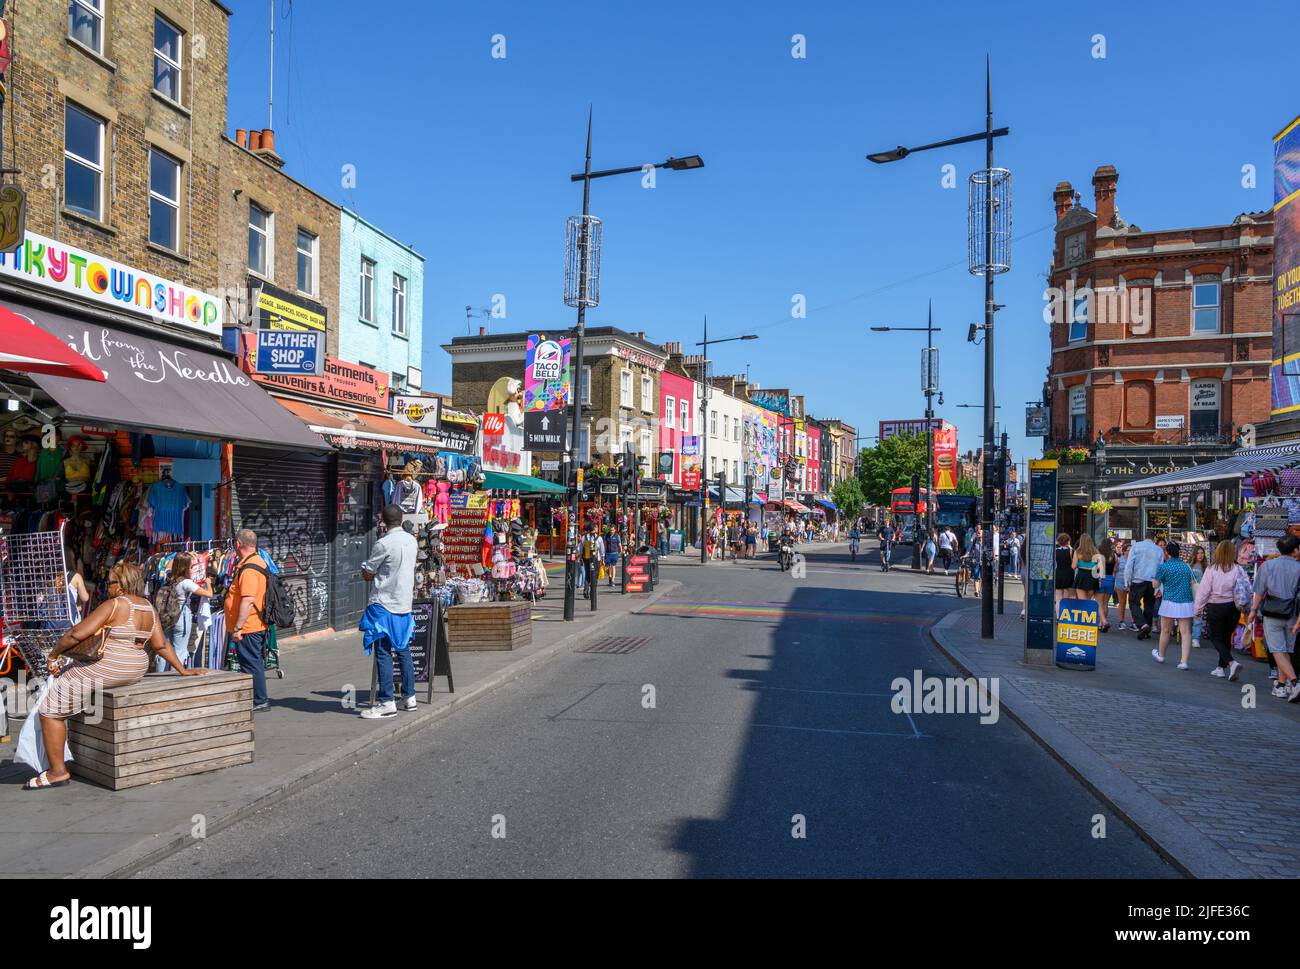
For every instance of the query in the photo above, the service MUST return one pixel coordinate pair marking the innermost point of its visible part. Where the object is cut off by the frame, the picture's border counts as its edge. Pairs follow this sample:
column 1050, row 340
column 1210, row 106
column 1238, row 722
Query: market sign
column 417, row 411
column 546, row 374
column 340, row 382
column 75, row 272
column 287, row 352
column 280, row 310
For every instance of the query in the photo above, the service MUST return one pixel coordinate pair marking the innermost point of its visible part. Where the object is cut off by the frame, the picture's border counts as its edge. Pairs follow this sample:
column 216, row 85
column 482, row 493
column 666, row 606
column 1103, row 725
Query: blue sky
column 467, row 157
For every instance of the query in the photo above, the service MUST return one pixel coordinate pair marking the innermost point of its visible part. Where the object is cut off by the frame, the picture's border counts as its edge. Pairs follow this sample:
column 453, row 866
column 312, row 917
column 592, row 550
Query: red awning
column 795, row 506
column 26, row 348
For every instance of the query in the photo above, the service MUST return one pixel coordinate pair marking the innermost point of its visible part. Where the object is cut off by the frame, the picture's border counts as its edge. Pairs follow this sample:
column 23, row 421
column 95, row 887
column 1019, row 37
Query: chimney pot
column 254, row 140
column 241, row 137
column 1103, row 183
column 1063, row 196
column 482, row 331
column 268, row 139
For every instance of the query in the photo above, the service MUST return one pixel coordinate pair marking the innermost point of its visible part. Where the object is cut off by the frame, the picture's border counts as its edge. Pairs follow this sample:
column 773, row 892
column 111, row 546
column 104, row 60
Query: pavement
column 308, row 734
column 1201, row 767
column 742, row 727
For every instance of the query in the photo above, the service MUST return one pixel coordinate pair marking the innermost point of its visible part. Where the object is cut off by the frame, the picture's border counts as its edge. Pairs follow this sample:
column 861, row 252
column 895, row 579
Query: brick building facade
column 114, row 119
column 1161, row 345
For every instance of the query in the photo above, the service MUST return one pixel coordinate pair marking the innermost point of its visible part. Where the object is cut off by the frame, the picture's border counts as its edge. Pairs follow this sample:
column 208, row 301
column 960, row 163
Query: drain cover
column 616, row 644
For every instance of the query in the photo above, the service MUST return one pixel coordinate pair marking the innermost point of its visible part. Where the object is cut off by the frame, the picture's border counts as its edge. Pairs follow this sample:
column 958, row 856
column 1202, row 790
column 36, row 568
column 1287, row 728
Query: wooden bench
column 165, row 726
column 489, row 625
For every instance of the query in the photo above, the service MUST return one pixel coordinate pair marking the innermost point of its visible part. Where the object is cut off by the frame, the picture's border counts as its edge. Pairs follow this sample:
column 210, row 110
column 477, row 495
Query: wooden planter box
column 489, row 625
column 165, row 726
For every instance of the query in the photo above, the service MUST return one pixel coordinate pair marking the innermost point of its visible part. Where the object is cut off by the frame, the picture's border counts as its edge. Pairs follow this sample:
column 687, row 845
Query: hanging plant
column 1076, row 455
column 1100, row 507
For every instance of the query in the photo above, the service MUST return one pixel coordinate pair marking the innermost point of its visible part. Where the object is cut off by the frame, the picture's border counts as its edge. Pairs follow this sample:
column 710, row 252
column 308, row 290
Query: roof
column 521, row 336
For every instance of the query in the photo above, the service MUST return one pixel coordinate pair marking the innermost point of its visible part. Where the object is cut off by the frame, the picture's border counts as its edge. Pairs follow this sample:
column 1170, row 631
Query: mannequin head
column 76, row 444
column 9, row 441
column 31, row 448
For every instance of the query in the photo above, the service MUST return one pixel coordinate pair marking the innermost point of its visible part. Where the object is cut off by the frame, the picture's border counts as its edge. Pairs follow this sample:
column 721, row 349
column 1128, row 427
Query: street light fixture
column 704, row 427
column 582, row 289
column 989, row 248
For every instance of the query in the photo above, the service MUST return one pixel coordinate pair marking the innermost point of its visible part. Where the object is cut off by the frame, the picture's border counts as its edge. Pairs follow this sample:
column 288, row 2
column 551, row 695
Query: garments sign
column 1040, row 559
column 48, row 264
column 340, row 382
column 545, row 430
column 280, row 310
column 1077, row 625
column 1036, row 421
column 415, row 411
column 546, row 374
column 945, row 457
column 289, row 352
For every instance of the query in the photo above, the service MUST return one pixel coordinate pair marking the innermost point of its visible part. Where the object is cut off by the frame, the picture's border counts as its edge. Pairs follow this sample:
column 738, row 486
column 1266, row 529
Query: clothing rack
column 193, row 545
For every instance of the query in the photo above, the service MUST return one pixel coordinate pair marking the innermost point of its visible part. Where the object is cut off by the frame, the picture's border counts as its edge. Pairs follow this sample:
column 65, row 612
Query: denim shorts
column 1277, row 635
column 1108, row 584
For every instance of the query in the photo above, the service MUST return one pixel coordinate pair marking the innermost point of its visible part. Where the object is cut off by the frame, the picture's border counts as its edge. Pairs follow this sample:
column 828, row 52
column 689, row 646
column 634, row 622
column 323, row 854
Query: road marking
column 739, row 723
column 756, row 611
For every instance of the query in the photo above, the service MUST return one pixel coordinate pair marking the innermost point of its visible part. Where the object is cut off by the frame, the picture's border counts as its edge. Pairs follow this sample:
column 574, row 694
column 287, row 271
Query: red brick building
column 1161, row 345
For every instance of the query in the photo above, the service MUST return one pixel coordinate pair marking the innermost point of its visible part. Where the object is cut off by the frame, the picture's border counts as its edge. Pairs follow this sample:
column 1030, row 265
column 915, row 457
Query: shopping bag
column 602, row 572
column 31, row 742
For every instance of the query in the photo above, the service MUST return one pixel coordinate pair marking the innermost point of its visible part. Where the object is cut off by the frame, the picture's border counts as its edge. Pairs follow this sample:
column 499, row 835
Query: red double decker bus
column 903, row 512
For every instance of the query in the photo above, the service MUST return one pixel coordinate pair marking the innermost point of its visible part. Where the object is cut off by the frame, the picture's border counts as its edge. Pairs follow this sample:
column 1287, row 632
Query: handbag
column 91, row 649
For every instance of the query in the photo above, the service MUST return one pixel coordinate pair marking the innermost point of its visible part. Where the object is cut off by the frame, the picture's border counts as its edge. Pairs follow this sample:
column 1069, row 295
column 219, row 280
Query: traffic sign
column 545, row 431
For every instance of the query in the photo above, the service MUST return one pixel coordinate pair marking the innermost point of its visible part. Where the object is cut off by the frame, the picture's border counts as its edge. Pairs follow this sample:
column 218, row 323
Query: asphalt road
column 771, row 717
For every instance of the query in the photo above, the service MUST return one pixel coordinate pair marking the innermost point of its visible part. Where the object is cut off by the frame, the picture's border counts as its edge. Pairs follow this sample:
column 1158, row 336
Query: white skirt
column 1176, row 610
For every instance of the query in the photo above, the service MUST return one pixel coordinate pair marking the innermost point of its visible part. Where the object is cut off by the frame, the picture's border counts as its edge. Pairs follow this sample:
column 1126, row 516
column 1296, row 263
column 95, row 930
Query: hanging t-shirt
column 168, row 501
column 409, row 497
column 49, row 464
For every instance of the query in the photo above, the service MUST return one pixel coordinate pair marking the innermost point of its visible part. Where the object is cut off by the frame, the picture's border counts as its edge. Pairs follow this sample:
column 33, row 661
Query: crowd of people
column 1194, row 598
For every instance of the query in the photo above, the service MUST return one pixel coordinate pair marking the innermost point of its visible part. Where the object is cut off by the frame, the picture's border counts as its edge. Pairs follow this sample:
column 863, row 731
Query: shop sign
column 666, row 462
column 1205, row 395
column 340, row 382
column 638, row 357
column 546, row 374
column 1169, row 422
column 550, row 465
column 494, row 424
column 288, row 352
column 421, row 412
column 1037, row 422
column 111, row 349
column 13, row 213
column 279, row 310
column 75, row 272
column 461, row 417
column 452, row 438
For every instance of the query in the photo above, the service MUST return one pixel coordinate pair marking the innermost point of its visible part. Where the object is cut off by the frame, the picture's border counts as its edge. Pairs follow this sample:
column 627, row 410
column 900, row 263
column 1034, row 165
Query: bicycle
column 963, row 578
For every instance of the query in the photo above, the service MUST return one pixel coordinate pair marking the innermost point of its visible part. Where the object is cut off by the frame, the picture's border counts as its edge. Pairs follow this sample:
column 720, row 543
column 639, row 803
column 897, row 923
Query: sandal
column 42, row 781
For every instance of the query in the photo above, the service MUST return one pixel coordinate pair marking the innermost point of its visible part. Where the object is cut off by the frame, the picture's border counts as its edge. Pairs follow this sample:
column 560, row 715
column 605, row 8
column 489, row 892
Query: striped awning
column 1206, row 477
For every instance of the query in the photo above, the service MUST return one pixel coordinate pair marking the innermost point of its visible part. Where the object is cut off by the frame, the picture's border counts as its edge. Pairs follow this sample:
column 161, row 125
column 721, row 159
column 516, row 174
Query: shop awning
column 358, row 430
column 525, row 483
column 1205, row 477
column 156, row 386
column 828, row 505
column 736, row 496
column 794, row 506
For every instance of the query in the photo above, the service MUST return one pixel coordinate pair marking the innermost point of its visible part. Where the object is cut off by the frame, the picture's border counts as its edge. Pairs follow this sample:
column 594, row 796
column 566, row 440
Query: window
column 86, row 23
column 625, row 388
column 647, row 448
column 713, row 466
column 399, row 305
column 260, row 239
column 670, row 411
column 1204, row 408
column 584, row 444
column 306, row 262
column 725, row 425
column 735, row 429
column 1205, row 306
column 647, row 392
column 1078, row 413
column 686, row 415
column 166, row 59
column 1079, row 318
column 713, row 423
column 83, row 162
column 367, row 294
column 164, row 200
column 586, row 384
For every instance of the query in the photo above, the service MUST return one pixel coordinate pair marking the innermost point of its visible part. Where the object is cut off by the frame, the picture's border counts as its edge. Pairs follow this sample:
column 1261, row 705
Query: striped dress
column 124, row 662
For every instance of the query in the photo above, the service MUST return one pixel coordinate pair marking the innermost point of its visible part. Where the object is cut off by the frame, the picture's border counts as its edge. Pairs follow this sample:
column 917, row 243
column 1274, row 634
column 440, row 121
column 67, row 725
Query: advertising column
column 1040, row 562
column 1286, row 270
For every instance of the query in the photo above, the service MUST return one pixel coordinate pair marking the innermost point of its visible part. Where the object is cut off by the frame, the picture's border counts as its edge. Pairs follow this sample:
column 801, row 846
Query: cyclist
column 855, row 535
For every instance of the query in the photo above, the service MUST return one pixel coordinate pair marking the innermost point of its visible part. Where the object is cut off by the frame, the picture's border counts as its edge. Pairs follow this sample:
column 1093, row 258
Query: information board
column 1040, row 560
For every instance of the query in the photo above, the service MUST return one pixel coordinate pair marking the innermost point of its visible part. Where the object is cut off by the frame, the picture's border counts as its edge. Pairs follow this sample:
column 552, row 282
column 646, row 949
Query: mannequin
column 49, row 463
column 76, row 469
column 8, row 450
column 23, row 470
column 408, row 495
column 442, row 503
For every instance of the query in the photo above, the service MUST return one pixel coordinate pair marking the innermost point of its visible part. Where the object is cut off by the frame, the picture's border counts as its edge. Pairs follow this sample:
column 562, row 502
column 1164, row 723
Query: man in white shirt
column 947, row 543
column 1143, row 561
column 388, row 623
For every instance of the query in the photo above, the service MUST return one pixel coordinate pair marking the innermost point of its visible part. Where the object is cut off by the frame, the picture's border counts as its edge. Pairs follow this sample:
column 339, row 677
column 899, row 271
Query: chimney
column 482, row 331
column 241, row 137
column 1103, row 182
column 1064, row 198
column 262, row 143
column 254, row 140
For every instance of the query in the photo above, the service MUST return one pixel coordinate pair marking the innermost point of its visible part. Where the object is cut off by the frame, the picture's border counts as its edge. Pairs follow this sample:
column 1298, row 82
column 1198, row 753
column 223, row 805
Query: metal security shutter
column 287, row 499
column 358, row 508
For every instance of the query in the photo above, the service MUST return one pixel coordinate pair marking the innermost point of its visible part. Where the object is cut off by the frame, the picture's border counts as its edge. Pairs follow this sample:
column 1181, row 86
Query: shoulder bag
column 91, row 649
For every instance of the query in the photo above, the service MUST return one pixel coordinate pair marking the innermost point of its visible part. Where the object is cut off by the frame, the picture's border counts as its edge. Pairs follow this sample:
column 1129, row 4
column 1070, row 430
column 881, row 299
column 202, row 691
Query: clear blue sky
column 467, row 158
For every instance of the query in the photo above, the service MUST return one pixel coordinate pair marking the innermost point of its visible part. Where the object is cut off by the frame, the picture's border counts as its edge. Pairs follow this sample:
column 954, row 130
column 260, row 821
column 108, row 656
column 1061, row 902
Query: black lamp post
column 984, row 186
column 582, row 289
column 704, row 432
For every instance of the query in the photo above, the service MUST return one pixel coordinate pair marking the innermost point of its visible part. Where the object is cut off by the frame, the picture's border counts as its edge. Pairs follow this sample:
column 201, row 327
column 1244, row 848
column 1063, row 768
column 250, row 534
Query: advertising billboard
column 945, row 457
column 889, row 428
column 1286, row 270
column 546, row 374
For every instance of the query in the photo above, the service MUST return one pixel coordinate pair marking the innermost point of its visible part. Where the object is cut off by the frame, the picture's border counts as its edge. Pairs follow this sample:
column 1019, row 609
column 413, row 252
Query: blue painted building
column 381, row 302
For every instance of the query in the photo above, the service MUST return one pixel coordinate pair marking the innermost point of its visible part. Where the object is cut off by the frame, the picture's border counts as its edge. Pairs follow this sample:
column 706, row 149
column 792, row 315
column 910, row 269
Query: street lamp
column 989, row 252
column 929, row 387
column 704, row 430
column 582, row 289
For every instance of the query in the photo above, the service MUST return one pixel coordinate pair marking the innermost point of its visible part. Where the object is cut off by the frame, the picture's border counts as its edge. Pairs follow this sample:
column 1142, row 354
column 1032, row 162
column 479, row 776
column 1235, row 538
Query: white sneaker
column 408, row 703
column 380, row 710
column 1196, row 644
column 1218, row 671
column 1280, row 691
column 1155, row 655
column 1234, row 670
column 1183, row 666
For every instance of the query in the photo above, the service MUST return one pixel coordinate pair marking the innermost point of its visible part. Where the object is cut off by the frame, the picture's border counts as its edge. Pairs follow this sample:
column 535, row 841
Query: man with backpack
column 245, row 608
column 388, row 623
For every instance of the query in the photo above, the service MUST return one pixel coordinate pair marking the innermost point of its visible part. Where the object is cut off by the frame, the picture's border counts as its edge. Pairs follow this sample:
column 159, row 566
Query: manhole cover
column 616, row 644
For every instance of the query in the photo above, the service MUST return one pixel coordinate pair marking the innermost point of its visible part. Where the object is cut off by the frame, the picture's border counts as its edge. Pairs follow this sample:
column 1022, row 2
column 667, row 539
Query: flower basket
column 1099, row 507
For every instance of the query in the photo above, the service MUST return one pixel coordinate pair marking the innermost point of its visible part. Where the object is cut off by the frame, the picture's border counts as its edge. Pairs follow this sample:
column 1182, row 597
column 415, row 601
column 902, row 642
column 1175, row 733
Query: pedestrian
column 388, row 623
column 245, row 608
column 975, row 556
column 1106, row 583
column 1277, row 581
column 1013, row 550
column 930, row 551
column 592, row 553
column 1063, row 575
column 613, row 553
column 947, row 547
column 1174, row 578
column 751, row 541
column 1144, row 559
column 1087, row 566
column 172, row 603
column 1216, row 599
column 1198, row 564
column 1121, row 583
